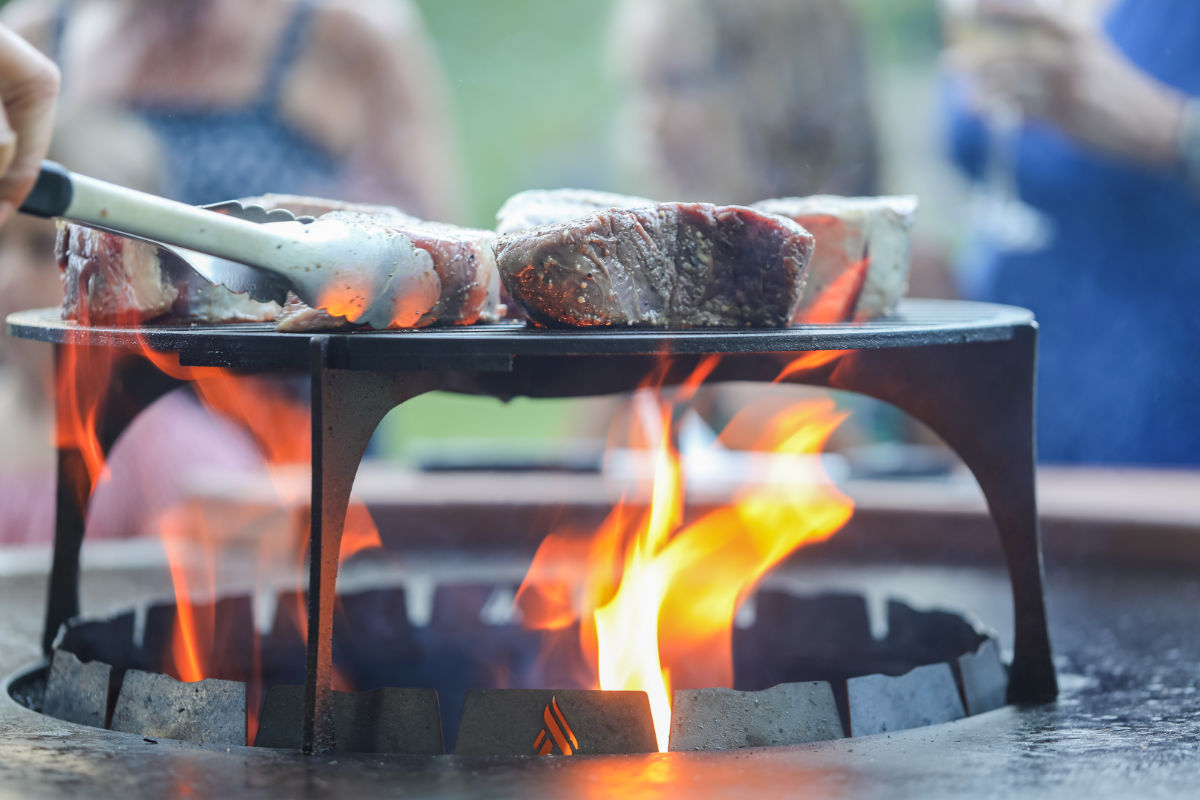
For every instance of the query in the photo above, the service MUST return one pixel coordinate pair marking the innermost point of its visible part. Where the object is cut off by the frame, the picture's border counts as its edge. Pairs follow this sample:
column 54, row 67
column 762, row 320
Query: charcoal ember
column 675, row 265
column 923, row 696
column 372, row 637
column 555, row 722
column 284, row 647
column 155, row 653
column 798, row 638
column 538, row 207
column 224, row 629
column 859, row 268
column 78, row 691
column 109, row 640
column 928, row 635
column 460, row 606
column 233, row 638
column 468, row 644
column 111, row 279
column 380, row 721
column 724, row 719
column 210, row 711
column 463, row 258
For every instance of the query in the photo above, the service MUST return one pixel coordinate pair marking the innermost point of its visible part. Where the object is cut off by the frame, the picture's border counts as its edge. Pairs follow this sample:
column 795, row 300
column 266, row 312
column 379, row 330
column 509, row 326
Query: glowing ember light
column 655, row 595
column 344, row 301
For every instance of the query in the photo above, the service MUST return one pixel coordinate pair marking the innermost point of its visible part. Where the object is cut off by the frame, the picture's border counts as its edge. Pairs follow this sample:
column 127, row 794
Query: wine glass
column 998, row 214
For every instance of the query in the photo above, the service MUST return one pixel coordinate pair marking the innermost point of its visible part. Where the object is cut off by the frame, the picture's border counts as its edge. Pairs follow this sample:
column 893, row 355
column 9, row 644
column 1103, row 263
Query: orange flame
column 82, row 375
column 836, row 303
column 199, row 540
column 348, row 301
column 658, row 594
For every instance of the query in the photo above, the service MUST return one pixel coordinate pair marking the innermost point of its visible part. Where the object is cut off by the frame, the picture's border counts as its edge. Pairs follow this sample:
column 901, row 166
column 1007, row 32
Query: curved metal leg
column 133, row 386
column 347, row 407
column 980, row 399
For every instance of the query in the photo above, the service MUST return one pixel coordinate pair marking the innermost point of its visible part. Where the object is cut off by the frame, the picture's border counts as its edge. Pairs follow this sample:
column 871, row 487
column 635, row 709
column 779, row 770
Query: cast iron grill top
column 259, row 346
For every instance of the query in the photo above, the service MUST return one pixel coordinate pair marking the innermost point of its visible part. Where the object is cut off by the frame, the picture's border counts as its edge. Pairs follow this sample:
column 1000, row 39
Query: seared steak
column 112, row 279
column 677, row 265
column 859, row 268
column 462, row 257
column 109, row 279
column 538, row 207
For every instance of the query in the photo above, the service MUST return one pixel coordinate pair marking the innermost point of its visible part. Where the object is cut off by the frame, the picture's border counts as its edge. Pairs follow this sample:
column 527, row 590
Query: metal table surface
column 1127, row 723
column 260, row 346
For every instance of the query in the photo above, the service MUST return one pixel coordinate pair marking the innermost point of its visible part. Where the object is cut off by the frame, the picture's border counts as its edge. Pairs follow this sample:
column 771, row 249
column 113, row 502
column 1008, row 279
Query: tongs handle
column 61, row 193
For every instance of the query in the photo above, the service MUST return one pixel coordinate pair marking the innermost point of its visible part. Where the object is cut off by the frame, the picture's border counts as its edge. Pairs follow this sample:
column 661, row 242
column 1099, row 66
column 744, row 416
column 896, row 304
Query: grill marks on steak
column 668, row 265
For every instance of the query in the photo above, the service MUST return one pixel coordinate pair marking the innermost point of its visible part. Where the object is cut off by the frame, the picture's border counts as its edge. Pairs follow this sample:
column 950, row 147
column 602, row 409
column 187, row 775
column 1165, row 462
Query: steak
column 676, row 265
column 113, row 279
column 538, row 207
column 462, row 257
column 110, row 279
column 860, row 265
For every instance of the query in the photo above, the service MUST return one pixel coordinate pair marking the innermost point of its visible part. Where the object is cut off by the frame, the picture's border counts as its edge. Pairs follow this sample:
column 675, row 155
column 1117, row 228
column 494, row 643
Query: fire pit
column 964, row 369
column 837, row 680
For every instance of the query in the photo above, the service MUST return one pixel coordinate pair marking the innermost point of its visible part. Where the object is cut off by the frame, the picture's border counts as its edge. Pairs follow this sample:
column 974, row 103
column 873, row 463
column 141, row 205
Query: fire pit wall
column 808, row 669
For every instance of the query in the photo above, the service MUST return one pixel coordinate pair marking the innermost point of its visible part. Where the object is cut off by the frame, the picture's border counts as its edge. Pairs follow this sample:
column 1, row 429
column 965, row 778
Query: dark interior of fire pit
column 468, row 644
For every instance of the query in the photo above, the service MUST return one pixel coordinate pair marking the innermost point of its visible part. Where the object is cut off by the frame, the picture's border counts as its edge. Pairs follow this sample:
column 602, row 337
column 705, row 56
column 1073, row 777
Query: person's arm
column 28, row 90
column 1067, row 73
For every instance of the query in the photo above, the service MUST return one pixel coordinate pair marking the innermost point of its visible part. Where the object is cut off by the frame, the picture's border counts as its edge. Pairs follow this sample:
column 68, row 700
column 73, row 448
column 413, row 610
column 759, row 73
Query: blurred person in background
column 168, row 443
column 205, row 101
column 731, row 101
column 1109, row 153
column 323, row 97
column 28, row 88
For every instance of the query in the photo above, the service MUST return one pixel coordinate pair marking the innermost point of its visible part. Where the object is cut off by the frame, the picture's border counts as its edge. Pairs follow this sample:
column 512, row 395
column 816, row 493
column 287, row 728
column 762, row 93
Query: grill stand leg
column 347, row 407
column 71, row 494
column 980, row 399
column 133, row 386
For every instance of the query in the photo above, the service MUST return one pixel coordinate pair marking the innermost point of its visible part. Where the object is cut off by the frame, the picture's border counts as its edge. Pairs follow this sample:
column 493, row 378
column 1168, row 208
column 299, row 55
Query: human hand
column 28, row 90
column 1062, row 70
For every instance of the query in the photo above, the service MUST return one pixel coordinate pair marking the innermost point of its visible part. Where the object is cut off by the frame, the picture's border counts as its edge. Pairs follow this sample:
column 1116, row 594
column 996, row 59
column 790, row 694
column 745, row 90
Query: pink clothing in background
column 150, row 471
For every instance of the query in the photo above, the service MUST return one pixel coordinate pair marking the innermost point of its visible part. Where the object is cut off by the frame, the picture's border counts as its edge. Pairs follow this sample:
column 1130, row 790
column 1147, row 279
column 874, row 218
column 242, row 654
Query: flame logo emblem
column 556, row 732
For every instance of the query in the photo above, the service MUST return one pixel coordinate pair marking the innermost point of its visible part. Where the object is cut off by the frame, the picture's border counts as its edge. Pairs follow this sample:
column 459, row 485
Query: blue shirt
column 1117, row 291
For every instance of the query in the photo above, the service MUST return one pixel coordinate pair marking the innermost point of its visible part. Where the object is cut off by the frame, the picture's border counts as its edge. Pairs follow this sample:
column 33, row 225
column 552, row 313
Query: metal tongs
column 265, row 254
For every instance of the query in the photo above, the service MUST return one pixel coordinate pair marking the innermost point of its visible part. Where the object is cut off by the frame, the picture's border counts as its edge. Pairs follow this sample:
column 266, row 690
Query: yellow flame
column 657, row 597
